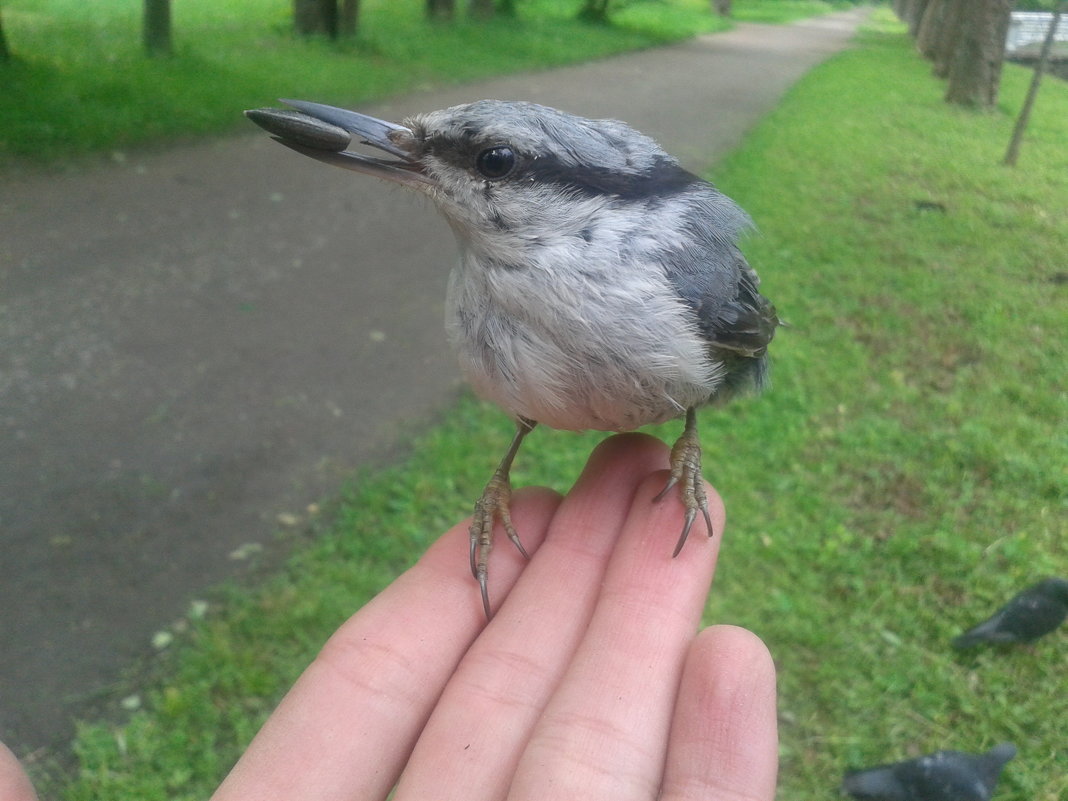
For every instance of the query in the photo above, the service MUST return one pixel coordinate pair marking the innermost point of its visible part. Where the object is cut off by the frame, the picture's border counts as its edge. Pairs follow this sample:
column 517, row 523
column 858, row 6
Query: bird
column 600, row 285
column 1030, row 614
column 941, row 776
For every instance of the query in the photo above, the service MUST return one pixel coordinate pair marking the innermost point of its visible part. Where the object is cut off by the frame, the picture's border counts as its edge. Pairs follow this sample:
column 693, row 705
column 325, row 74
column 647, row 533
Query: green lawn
column 905, row 474
column 80, row 83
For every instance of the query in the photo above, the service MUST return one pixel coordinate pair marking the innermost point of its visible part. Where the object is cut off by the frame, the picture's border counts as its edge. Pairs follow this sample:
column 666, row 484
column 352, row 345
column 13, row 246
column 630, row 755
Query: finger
column 347, row 726
column 475, row 736
column 723, row 744
column 14, row 783
column 603, row 734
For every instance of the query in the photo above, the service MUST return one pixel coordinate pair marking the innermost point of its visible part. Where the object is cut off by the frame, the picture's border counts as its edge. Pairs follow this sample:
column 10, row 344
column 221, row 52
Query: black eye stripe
column 664, row 178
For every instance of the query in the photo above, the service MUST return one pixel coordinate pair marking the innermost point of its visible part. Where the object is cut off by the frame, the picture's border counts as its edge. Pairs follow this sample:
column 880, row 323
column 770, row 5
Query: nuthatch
column 600, row 285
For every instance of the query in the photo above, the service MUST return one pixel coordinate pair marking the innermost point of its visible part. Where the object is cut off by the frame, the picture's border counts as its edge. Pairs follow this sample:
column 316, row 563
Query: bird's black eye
column 495, row 162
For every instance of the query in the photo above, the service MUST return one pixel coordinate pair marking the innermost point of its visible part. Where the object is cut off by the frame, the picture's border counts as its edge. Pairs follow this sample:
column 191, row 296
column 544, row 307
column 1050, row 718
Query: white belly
column 598, row 352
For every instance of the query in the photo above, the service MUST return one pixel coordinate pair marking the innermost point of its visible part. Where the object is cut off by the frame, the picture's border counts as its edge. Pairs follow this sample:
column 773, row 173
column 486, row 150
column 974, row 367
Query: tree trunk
column 722, row 7
column 975, row 74
column 440, row 10
column 156, row 27
column 1032, row 91
column 927, row 33
column 949, row 33
column 480, row 9
column 594, row 11
column 316, row 16
column 5, row 53
column 348, row 18
column 916, row 11
column 306, row 19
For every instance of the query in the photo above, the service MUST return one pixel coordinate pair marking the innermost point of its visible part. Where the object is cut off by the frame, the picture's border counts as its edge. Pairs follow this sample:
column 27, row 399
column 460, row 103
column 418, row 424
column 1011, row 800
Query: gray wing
column 713, row 278
column 739, row 319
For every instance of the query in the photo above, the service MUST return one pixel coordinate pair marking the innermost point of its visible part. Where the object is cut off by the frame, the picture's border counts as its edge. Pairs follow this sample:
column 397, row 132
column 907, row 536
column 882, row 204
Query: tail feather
column 987, row 631
column 877, row 784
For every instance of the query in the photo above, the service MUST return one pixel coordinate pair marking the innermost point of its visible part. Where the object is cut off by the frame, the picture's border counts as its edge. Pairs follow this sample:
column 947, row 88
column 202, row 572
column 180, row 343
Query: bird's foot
column 686, row 472
column 494, row 505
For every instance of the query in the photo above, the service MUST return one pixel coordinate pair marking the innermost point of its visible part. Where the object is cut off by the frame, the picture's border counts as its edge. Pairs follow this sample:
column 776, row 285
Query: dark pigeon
column 941, row 776
column 1036, row 611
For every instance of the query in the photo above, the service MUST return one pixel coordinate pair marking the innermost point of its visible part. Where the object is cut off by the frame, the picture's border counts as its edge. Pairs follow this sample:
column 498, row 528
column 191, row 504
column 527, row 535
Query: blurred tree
column 903, row 9
column 1032, row 92
column 441, row 9
column 5, row 54
column 916, row 9
column 348, row 21
column 947, row 35
column 157, row 27
column 594, row 10
column 722, row 7
column 506, row 7
column 975, row 70
column 930, row 26
column 481, row 9
column 315, row 16
column 312, row 17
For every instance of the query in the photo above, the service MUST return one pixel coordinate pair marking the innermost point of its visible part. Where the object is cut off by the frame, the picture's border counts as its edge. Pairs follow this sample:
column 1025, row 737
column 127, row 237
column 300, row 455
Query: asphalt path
column 197, row 344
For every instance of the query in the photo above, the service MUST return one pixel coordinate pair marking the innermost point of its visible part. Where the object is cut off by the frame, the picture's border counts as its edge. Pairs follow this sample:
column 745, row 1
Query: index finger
column 347, row 726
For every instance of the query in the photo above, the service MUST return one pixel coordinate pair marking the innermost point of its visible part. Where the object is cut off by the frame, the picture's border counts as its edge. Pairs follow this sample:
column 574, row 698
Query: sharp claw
column 474, row 568
column 485, row 596
column 671, row 483
column 690, row 515
column 514, row 537
column 708, row 520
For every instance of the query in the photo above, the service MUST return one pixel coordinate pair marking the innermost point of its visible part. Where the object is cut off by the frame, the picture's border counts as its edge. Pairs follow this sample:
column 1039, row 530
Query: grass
column 80, row 83
column 905, row 474
column 780, row 11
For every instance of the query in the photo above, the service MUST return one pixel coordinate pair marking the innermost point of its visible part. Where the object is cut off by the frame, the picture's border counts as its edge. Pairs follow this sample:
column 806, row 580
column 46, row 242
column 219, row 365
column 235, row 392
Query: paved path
column 199, row 340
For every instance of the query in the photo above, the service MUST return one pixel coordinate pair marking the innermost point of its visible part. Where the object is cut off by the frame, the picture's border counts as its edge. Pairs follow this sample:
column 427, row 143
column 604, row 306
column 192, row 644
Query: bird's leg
column 686, row 469
column 495, row 504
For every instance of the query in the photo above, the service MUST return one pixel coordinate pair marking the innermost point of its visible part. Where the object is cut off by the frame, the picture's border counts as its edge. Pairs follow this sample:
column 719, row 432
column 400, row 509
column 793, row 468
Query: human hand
column 14, row 783
column 588, row 683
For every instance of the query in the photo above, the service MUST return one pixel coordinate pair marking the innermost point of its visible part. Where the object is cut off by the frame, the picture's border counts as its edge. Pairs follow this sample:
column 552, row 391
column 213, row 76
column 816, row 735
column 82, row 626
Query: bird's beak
column 325, row 133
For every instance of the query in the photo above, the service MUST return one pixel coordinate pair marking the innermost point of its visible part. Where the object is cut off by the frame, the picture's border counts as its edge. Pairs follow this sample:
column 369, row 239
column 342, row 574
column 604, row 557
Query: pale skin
column 591, row 681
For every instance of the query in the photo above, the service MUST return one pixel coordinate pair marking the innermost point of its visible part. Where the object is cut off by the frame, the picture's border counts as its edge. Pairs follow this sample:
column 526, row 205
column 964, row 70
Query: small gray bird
column 600, row 285
column 941, row 776
column 1030, row 614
